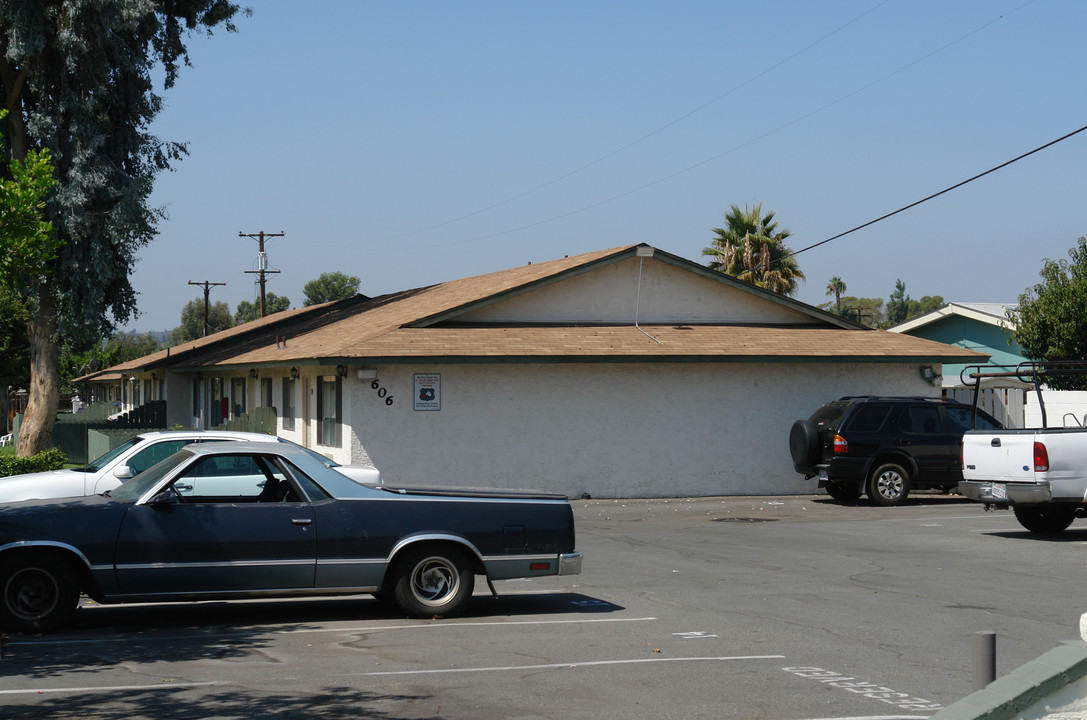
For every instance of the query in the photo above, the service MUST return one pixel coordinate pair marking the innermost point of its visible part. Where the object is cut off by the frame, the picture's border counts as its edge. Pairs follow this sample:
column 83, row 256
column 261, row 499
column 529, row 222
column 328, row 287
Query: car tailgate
column 998, row 455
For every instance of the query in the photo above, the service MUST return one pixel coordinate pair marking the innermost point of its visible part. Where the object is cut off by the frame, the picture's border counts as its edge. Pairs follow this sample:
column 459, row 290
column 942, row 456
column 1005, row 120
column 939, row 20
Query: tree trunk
column 36, row 432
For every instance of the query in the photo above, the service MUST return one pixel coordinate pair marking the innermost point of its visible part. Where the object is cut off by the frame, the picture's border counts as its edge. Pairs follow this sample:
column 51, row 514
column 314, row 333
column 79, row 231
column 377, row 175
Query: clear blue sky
column 417, row 142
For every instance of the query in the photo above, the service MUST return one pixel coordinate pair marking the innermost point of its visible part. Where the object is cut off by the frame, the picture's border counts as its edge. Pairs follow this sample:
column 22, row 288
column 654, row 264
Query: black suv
column 884, row 446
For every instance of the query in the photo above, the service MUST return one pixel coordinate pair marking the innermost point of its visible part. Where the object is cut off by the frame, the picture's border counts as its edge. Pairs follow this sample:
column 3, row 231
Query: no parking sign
column 428, row 391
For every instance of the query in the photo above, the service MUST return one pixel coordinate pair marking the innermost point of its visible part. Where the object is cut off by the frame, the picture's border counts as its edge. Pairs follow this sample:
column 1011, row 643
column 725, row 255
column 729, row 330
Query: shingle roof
column 416, row 324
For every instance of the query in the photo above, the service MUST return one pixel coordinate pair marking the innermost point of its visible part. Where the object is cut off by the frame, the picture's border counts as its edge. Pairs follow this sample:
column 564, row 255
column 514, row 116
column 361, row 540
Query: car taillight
column 1041, row 458
column 840, row 445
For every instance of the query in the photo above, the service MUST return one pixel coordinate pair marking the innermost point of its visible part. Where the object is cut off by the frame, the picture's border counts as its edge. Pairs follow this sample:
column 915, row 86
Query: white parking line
column 363, row 628
column 877, row 717
column 102, row 688
column 570, row 665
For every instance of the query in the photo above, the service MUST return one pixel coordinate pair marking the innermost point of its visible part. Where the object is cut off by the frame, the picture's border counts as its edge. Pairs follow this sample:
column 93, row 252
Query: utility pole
column 262, row 263
column 207, row 295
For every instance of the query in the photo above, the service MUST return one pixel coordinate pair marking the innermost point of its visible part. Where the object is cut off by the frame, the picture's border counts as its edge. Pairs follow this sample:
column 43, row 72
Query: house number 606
column 382, row 392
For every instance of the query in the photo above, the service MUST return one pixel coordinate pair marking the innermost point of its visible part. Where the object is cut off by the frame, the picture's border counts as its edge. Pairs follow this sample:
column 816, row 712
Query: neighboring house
column 627, row 372
column 983, row 327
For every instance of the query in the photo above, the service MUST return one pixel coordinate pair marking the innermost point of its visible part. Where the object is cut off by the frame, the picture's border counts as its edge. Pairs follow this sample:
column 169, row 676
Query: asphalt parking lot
column 792, row 608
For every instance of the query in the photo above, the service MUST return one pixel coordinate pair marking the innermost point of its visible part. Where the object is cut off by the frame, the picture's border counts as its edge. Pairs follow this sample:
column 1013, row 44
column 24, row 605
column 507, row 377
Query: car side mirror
column 123, row 472
column 166, row 497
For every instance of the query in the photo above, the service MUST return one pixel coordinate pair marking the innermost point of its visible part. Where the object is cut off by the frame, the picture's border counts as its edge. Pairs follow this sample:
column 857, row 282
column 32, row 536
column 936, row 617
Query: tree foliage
column 115, row 350
column 192, row 321
column 27, row 241
column 836, row 287
column 1051, row 321
column 77, row 78
column 330, row 286
column 751, row 248
column 273, row 303
column 866, row 311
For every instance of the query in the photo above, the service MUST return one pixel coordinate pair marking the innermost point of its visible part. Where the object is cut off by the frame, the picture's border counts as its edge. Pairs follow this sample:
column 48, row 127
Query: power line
column 938, row 194
column 720, row 155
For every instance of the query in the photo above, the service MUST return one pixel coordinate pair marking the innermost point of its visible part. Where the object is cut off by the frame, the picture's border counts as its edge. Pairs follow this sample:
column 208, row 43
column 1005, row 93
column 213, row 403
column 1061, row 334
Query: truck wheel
column 433, row 581
column 39, row 592
column 1045, row 519
column 804, row 445
column 889, row 484
column 844, row 491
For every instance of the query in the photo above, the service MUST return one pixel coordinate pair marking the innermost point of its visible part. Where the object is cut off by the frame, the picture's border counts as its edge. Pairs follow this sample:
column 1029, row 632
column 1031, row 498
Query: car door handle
column 301, row 521
column 181, row 487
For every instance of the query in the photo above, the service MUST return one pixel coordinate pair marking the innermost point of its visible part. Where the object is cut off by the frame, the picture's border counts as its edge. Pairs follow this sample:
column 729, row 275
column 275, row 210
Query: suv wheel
column 804, row 445
column 889, row 484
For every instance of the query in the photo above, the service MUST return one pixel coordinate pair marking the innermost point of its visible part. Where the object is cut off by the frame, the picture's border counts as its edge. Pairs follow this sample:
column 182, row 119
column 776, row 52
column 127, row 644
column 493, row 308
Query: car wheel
column 889, row 484
column 804, row 444
column 1046, row 519
column 845, row 491
column 434, row 581
column 39, row 593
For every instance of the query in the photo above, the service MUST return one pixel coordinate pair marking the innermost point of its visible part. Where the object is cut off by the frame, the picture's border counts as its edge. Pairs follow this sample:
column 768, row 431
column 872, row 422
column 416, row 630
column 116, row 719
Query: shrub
column 51, row 459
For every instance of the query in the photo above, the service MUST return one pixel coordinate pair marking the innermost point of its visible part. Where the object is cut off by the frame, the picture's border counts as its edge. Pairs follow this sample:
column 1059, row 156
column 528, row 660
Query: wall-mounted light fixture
column 253, row 373
column 341, row 370
column 927, row 373
column 367, row 373
column 294, row 373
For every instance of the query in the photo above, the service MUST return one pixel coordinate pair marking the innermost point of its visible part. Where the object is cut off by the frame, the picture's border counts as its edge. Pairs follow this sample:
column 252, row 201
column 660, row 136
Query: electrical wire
column 937, row 194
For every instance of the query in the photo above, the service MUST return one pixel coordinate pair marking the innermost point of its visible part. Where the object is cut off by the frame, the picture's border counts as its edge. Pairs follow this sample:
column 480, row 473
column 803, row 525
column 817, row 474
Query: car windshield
column 135, row 488
column 103, row 460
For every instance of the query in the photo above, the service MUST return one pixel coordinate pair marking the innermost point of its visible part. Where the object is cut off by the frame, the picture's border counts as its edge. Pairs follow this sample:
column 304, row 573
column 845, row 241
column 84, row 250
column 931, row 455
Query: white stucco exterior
column 608, row 430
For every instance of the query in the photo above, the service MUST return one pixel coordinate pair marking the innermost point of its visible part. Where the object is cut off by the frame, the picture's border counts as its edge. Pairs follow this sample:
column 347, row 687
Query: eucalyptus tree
column 751, row 247
column 77, row 78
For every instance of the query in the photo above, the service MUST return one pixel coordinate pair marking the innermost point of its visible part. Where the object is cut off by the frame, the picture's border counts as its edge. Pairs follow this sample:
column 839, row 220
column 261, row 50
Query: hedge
column 51, row 459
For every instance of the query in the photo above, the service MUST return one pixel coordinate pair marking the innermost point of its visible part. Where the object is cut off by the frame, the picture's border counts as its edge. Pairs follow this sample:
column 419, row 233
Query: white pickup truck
column 1041, row 474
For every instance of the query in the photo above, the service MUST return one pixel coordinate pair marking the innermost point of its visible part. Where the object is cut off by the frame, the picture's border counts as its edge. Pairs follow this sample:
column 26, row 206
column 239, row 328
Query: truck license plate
column 1000, row 491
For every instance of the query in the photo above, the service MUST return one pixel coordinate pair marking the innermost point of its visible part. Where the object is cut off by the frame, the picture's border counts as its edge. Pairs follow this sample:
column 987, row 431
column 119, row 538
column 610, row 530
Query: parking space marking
column 568, row 665
column 903, row 701
column 164, row 685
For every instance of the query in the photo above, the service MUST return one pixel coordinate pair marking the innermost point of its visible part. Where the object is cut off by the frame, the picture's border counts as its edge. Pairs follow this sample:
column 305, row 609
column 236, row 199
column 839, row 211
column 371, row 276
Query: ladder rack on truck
column 1033, row 372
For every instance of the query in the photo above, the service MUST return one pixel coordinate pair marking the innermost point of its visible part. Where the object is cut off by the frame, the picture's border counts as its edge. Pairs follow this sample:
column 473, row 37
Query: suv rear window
column 868, row 418
column 829, row 414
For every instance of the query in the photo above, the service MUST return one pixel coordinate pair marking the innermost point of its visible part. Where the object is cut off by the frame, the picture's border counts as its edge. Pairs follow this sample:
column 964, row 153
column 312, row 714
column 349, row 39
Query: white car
column 132, row 457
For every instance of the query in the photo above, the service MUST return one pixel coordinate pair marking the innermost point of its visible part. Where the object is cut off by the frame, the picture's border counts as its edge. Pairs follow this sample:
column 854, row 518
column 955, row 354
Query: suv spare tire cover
column 804, row 444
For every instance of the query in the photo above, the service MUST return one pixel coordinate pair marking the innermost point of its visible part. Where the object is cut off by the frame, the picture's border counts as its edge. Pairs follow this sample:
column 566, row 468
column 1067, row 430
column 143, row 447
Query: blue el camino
column 241, row 520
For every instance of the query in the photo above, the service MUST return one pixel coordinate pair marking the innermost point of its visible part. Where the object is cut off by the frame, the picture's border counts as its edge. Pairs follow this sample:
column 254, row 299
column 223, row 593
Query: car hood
column 49, row 484
column 61, row 519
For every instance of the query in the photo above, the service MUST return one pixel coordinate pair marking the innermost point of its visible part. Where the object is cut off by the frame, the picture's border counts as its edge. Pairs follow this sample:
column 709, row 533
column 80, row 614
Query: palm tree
column 751, row 248
column 836, row 287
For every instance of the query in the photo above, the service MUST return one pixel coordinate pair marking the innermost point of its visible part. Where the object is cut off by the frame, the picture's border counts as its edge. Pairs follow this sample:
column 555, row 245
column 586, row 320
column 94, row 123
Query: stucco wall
column 609, row 430
column 658, row 293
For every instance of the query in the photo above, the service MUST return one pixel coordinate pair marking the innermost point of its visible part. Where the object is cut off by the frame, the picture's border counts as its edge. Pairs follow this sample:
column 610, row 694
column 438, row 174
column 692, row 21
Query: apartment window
column 288, row 403
column 218, row 403
column 329, row 410
column 237, row 395
column 266, row 392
